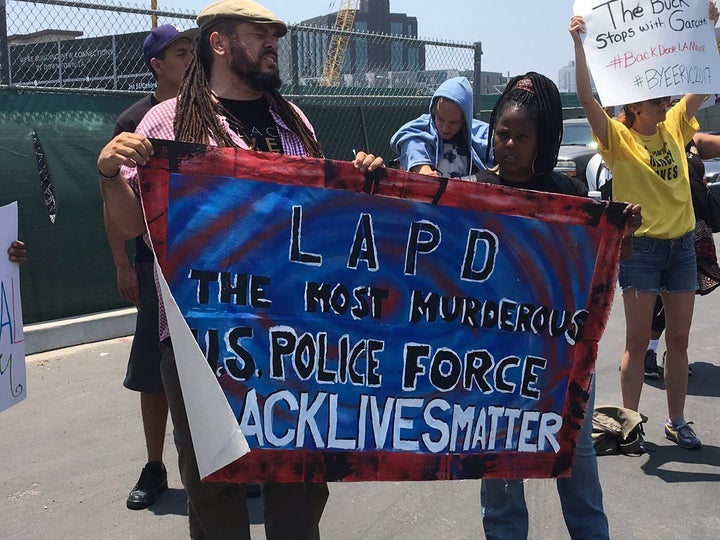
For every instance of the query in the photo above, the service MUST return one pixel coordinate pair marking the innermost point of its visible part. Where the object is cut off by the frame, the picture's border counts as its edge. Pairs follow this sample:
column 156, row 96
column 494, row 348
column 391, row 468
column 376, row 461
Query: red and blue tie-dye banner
column 387, row 326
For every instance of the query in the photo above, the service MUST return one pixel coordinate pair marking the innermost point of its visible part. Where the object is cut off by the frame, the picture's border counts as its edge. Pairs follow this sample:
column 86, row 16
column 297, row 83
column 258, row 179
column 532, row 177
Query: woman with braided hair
column 536, row 96
column 525, row 131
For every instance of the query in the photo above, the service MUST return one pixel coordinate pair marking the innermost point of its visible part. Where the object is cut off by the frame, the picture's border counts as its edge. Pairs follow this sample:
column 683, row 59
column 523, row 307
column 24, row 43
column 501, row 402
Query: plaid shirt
column 158, row 124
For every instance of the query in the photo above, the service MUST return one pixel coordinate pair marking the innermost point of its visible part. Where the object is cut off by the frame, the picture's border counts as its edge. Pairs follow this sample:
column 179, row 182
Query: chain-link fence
column 383, row 82
column 79, row 45
column 380, row 82
column 98, row 46
column 67, row 70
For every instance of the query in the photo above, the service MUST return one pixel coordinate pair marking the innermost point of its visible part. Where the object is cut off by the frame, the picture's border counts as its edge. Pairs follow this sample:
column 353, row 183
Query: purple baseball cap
column 161, row 37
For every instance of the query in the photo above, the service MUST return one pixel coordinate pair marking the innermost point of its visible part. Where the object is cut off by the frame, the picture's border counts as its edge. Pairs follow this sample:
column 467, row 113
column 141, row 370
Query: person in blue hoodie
column 447, row 141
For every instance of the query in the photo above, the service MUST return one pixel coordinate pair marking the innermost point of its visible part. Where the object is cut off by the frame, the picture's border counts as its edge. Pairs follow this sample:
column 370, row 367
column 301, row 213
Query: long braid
column 198, row 111
column 541, row 97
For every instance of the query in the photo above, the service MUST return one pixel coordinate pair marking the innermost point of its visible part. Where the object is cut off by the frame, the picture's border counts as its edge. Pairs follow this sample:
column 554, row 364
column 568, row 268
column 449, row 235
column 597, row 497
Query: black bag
column 713, row 191
column 617, row 430
column 604, row 174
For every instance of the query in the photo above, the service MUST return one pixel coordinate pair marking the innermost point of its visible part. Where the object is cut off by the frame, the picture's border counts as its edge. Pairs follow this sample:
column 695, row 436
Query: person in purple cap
column 167, row 52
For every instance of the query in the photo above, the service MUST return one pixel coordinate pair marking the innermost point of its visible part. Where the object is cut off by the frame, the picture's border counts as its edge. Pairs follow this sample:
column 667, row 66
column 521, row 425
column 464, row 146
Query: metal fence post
column 60, row 62
column 114, row 63
column 4, row 49
column 294, row 63
column 477, row 78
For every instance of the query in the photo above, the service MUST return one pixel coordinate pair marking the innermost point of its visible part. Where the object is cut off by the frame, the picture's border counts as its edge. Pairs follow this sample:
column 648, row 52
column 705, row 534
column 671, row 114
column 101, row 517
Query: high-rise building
column 566, row 79
column 364, row 57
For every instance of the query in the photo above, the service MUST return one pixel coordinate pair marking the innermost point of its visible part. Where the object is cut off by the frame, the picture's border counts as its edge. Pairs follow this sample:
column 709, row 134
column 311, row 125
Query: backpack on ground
column 617, row 430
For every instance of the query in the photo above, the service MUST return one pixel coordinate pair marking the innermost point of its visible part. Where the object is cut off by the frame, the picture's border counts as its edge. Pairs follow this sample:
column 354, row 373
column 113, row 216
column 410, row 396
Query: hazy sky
column 516, row 35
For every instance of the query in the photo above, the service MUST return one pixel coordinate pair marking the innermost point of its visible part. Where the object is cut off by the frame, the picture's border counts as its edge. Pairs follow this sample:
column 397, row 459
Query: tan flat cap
column 239, row 9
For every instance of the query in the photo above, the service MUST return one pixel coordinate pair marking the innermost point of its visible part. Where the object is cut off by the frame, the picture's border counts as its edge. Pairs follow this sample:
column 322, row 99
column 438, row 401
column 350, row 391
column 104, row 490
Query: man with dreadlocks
column 228, row 98
column 525, row 131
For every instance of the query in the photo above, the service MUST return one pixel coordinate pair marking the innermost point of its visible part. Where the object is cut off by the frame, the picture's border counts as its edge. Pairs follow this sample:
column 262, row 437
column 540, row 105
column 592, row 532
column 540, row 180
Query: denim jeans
column 504, row 511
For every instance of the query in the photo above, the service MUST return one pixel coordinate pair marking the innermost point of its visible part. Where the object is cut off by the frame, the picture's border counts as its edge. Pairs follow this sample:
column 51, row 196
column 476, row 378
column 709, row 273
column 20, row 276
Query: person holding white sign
column 645, row 151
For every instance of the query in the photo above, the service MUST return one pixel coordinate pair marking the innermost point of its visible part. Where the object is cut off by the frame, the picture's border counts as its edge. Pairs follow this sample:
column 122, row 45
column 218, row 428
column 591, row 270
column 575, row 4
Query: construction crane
column 332, row 68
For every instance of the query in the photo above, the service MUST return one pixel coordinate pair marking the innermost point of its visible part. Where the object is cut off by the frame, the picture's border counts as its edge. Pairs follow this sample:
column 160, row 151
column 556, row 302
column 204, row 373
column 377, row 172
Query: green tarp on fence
column 69, row 270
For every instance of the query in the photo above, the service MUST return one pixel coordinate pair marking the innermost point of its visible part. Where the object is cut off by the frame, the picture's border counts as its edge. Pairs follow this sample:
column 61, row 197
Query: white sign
column 643, row 49
column 12, row 344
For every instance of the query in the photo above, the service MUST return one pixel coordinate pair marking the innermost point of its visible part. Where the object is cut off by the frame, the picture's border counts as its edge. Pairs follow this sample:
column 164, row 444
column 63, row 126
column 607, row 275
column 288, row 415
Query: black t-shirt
column 549, row 183
column 131, row 117
column 258, row 123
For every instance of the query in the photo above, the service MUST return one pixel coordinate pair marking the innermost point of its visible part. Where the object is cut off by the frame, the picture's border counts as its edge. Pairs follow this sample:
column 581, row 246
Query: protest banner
column 387, row 326
column 649, row 48
column 12, row 344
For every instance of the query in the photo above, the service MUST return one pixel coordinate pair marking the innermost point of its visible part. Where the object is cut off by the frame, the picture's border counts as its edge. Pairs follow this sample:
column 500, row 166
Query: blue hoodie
column 418, row 142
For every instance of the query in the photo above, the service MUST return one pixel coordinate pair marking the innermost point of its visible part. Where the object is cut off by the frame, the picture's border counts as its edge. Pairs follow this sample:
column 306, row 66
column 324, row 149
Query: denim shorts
column 660, row 265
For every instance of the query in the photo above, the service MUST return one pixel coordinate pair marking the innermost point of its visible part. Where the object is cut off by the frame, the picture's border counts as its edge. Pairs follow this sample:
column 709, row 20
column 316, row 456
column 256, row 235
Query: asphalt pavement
column 72, row 450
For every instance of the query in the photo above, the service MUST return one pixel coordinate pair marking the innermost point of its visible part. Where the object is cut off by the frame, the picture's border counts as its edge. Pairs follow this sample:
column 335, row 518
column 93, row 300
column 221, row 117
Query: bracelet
column 108, row 178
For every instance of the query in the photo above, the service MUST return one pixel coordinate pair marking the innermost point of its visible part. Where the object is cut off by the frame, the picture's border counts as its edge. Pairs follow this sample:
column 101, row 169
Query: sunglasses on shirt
column 659, row 100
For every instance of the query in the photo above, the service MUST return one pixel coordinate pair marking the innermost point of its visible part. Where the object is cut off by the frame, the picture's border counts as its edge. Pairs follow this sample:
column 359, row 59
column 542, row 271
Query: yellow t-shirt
column 653, row 171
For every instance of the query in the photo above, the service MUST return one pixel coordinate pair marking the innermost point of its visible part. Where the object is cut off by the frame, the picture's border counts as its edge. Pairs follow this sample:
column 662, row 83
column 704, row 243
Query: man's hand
column 367, row 162
column 129, row 149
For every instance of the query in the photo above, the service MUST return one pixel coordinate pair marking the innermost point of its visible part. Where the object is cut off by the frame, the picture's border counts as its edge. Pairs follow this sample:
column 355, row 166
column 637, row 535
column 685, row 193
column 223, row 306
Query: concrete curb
column 60, row 333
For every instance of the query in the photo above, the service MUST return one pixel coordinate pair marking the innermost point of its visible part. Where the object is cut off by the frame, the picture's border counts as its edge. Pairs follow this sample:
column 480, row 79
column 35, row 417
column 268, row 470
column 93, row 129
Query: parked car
column 576, row 148
column 597, row 174
column 712, row 169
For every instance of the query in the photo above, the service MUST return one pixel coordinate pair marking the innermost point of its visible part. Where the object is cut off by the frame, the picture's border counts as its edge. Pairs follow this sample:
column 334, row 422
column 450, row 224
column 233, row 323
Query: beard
column 250, row 70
